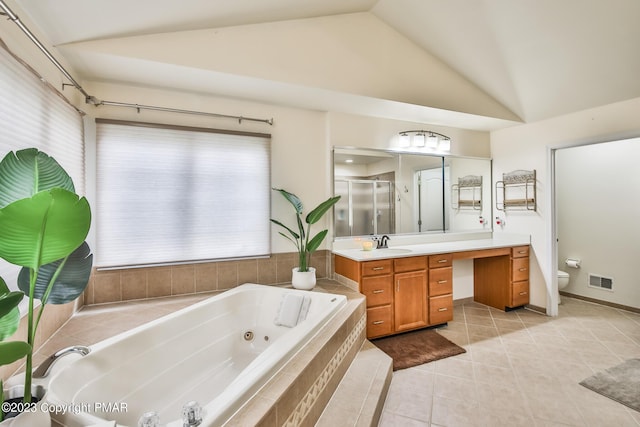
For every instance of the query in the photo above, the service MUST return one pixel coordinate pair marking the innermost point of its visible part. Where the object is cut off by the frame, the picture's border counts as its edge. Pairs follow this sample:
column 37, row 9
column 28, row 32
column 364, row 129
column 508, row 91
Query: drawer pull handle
column 377, row 268
column 523, row 293
column 522, row 269
column 378, row 322
column 442, row 309
column 378, row 291
column 442, row 281
column 442, row 260
column 522, row 252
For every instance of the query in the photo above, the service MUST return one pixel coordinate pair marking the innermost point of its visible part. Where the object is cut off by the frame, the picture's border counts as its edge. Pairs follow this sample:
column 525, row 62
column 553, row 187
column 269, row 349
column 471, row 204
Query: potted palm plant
column 303, row 276
column 43, row 227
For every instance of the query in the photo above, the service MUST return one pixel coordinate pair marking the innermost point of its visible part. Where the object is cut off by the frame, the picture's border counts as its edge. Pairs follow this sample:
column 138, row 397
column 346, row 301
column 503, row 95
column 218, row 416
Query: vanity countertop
column 432, row 248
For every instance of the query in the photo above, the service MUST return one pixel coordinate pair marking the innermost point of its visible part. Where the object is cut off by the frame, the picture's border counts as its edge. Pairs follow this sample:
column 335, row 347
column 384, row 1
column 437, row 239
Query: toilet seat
column 563, row 274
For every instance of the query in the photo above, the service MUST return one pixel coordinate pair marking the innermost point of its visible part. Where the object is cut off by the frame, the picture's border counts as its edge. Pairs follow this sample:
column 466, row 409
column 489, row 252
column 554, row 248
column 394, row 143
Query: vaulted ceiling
column 482, row 64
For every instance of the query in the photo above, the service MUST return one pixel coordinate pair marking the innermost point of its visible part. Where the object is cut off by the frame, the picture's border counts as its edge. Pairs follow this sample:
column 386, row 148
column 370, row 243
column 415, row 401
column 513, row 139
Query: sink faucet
column 382, row 242
column 45, row 367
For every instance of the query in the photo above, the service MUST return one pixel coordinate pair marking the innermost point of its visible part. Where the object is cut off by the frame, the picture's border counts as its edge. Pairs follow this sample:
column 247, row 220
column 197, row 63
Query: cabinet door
column 410, row 300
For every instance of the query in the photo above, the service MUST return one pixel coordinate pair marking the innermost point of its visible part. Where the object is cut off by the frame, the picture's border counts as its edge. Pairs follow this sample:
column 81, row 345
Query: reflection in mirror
column 366, row 182
column 398, row 193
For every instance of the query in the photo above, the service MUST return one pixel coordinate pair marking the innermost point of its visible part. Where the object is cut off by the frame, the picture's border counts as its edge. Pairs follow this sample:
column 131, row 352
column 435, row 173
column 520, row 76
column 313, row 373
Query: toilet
column 563, row 281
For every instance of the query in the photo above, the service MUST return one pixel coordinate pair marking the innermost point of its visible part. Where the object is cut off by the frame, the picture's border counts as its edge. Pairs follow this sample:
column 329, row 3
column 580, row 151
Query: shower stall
column 366, row 207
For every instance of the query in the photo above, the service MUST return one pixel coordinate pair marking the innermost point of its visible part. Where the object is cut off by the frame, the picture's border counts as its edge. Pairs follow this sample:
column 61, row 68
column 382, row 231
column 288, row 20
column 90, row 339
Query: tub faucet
column 45, row 367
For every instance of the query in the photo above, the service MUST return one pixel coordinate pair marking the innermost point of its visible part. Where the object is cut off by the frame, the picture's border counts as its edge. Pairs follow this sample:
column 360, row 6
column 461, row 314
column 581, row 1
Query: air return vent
column 597, row 281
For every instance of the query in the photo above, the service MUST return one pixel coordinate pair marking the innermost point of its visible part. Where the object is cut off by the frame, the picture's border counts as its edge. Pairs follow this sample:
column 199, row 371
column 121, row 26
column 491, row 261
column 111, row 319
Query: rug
column 620, row 383
column 417, row 347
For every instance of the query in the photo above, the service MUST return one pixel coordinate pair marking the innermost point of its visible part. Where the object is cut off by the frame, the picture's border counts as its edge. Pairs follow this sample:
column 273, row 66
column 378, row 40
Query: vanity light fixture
column 425, row 138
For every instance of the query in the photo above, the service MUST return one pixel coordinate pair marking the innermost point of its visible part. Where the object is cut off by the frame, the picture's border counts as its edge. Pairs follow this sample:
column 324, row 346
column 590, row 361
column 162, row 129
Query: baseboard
column 535, row 308
column 597, row 301
column 462, row 301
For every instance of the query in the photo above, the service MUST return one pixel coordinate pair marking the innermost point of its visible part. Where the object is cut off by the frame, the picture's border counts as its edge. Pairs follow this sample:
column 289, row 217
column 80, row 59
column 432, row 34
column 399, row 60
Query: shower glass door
column 365, row 208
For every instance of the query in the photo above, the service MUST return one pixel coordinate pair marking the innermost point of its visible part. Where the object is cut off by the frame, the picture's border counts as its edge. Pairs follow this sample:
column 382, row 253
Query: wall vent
column 601, row 282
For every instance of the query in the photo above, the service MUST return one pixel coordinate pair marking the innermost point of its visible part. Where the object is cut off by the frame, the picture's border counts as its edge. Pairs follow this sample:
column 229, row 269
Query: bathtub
column 218, row 352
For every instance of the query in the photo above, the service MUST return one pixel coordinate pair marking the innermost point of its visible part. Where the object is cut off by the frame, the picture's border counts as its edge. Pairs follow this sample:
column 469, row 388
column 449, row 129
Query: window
column 176, row 194
column 36, row 115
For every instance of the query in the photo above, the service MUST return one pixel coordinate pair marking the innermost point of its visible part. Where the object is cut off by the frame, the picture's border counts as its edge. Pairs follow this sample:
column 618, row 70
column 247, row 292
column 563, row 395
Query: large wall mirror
column 386, row 192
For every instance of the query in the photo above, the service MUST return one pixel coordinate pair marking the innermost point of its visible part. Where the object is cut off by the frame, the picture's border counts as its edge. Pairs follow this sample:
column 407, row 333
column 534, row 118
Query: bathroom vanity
column 411, row 287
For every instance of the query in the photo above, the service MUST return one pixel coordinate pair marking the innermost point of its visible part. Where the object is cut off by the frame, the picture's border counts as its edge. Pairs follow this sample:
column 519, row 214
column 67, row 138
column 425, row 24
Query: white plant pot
column 305, row 280
column 38, row 418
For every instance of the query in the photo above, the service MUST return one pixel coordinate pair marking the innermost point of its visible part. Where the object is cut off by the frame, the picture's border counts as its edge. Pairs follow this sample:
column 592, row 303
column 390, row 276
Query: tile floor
column 521, row 368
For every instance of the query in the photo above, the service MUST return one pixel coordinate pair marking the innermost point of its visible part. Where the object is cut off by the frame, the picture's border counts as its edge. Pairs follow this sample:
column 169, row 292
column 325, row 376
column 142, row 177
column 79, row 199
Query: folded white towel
column 293, row 309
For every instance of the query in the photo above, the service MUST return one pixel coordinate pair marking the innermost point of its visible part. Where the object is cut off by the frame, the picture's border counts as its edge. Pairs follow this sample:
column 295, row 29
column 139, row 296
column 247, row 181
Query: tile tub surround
column 106, row 286
column 295, row 396
column 521, row 369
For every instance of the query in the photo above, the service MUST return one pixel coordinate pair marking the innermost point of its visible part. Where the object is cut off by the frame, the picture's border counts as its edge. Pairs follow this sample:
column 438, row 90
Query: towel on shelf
column 293, row 309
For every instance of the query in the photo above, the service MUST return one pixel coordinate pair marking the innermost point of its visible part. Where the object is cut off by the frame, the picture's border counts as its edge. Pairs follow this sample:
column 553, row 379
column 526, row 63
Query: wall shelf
column 467, row 193
column 516, row 191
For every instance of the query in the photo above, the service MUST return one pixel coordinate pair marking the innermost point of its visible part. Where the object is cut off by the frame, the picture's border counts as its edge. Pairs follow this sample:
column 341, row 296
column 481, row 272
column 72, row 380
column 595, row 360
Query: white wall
column 527, row 147
column 598, row 207
column 300, row 157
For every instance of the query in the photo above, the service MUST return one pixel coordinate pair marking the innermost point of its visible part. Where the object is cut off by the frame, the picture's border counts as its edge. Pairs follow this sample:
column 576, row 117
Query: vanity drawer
column 379, row 321
column 377, row 268
column 520, row 293
column 440, row 309
column 520, row 252
column 409, row 264
column 520, row 269
column 441, row 260
column 377, row 289
column 440, row 281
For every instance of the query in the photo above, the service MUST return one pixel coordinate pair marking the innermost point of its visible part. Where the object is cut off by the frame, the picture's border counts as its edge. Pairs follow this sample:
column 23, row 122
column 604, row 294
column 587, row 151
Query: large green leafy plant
column 302, row 239
column 43, row 227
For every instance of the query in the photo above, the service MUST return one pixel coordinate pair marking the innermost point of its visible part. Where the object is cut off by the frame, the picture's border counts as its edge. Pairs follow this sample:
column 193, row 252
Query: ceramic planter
column 304, row 280
column 36, row 418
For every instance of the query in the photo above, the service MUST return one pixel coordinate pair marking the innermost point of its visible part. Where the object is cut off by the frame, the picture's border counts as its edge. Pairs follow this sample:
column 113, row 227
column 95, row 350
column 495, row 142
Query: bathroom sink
column 393, row 251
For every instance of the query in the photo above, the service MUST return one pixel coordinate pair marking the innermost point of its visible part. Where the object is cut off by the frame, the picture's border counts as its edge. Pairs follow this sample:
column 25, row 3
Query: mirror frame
column 486, row 187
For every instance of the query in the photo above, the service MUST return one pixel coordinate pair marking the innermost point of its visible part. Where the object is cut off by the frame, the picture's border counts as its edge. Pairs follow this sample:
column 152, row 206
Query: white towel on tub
column 293, row 309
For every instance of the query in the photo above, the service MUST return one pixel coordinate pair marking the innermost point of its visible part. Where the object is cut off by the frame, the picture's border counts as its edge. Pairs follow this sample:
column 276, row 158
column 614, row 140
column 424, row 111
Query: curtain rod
column 6, row 11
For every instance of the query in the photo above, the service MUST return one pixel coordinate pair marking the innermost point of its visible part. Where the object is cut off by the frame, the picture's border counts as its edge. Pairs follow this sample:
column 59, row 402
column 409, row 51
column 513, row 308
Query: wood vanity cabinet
column 413, row 292
column 511, row 268
column 397, row 292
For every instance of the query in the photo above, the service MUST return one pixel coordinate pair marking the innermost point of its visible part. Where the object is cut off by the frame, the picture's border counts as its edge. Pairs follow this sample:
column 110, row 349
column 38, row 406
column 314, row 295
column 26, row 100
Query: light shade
column 404, row 140
column 445, row 144
column 418, row 140
column 432, row 141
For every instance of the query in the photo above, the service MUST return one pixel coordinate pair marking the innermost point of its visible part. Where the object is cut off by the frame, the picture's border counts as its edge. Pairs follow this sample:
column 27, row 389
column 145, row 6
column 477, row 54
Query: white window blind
column 175, row 194
column 35, row 115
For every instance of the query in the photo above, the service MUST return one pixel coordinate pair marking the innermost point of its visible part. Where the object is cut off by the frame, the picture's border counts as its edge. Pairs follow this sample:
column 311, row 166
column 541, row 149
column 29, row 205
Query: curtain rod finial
column 93, row 100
